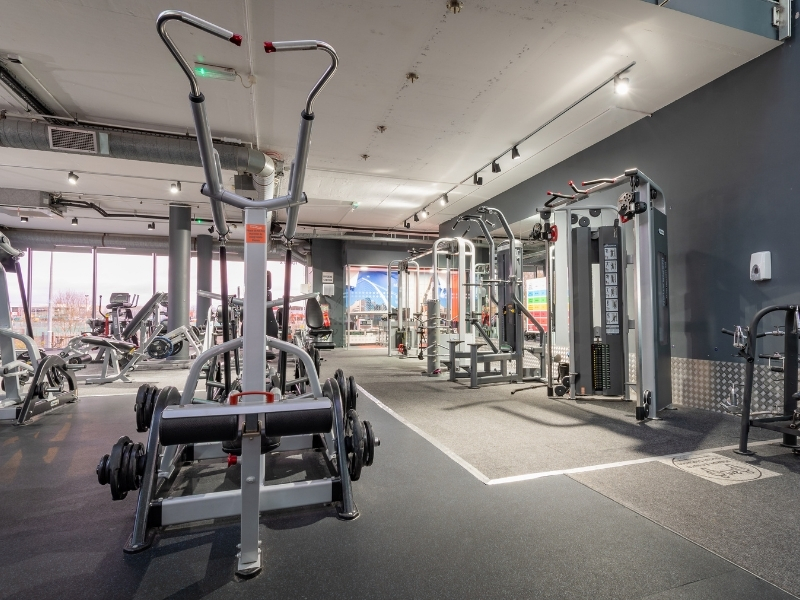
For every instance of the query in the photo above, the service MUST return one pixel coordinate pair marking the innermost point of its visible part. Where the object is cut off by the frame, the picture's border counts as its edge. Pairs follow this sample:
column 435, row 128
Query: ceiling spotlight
column 151, row 226
column 406, row 224
column 514, row 153
column 416, row 218
column 72, row 178
column 24, row 219
column 621, row 85
column 444, row 200
column 424, row 213
column 175, row 187
column 477, row 180
column 495, row 167
column 74, row 221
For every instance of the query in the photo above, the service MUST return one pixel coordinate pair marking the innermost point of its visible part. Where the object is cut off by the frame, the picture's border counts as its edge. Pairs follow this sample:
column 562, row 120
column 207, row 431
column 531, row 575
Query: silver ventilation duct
column 157, row 148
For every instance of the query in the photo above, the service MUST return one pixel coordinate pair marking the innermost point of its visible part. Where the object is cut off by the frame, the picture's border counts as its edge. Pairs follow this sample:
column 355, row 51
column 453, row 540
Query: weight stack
column 601, row 367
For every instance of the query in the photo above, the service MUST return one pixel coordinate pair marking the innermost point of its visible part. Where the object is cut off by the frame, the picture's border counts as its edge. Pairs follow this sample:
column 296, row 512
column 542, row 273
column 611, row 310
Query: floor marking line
column 623, row 463
column 447, row 451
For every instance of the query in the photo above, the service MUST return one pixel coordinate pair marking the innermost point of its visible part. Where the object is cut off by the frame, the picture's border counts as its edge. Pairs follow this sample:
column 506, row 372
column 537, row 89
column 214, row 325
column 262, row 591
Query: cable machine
column 598, row 355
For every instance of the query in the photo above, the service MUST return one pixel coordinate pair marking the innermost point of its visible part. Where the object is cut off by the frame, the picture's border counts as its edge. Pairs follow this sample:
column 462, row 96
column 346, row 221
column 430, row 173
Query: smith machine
column 598, row 354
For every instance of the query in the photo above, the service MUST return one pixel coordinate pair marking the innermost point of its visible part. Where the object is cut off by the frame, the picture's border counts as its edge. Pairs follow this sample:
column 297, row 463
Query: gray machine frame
column 251, row 499
column 653, row 350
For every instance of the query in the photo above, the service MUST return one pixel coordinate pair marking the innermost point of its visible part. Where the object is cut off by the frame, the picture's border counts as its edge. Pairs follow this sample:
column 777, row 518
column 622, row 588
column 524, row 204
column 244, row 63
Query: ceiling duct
column 73, row 140
column 148, row 147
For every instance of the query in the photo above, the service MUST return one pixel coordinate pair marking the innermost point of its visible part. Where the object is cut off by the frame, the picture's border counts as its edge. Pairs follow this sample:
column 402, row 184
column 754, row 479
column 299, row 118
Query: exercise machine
column 259, row 419
column 402, row 330
column 34, row 383
column 504, row 293
column 786, row 419
column 598, row 356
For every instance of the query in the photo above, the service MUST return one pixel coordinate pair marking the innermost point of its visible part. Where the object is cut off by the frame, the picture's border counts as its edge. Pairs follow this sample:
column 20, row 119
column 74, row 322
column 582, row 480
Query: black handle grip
column 727, row 331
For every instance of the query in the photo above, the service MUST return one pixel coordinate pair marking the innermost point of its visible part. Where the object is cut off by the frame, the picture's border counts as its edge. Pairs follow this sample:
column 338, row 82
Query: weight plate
column 102, row 470
column 159, row 348
column 354, row 430
column 594, row 212
column 139, row 407
column 352, row 391
column 583, row 221
column 369, row 444
column 574, row 219
column 118, row 492
column 560, row 390
column 177, row 347
column 317, row 360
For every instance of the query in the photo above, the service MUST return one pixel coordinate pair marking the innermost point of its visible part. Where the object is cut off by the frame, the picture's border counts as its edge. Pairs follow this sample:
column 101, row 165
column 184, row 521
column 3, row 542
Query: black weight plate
column 352, row 391
column 139, row 407
column 574, row 219
column 583, row 221
column 102, row 470
column 565, row 382
column 160, row 347
column 595, row 212
column 369, row 444
column 317, row 361
column 355, row 459
column 150, row 405
column 177, row 347
column 114, row 464
column 560, row 390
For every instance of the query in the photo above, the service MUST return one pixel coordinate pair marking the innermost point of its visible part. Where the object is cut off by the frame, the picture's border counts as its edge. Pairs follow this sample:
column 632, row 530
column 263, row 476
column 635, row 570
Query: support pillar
column 204, row 264
column 180, row 246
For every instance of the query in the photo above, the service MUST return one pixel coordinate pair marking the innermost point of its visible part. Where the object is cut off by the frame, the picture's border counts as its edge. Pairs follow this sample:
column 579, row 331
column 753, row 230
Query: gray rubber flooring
column 504, row 435
column 428, row 529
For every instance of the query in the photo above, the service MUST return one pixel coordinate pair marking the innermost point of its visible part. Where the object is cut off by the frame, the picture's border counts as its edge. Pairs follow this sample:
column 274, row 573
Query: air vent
column 73, row 140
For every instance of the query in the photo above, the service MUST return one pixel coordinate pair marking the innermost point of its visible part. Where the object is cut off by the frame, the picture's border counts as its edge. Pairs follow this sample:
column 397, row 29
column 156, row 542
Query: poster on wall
column 536, row 295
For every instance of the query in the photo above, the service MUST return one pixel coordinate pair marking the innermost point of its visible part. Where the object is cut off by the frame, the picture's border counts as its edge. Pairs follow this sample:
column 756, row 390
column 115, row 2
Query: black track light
column 72, row 178
column 416, row 217
column 424, row 213
column 495, row 167
column 74, row 221
column 175, row 187
column 24, row 219
column 406, row 224
column 477, row 180
column 514, row 153
column 151, row 226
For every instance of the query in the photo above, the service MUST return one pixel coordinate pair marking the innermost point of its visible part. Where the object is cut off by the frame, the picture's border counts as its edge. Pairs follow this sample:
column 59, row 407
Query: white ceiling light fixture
column 174, row 188
column 72, row 178
column 621, row 85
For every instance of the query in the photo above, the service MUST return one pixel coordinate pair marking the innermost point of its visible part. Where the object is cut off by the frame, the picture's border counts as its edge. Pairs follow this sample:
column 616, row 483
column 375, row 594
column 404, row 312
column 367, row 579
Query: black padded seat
column 92, row 340
column 133, row 325
column 315, row 321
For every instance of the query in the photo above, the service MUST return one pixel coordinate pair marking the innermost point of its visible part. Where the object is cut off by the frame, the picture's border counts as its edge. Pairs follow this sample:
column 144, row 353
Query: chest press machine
column 255, row 420
column 598, row 357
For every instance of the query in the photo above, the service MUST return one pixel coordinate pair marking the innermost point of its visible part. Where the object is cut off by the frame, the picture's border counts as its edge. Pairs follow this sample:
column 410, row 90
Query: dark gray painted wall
column 328, row 255
column 754, row 16
column 358, row 253
column 726, row 156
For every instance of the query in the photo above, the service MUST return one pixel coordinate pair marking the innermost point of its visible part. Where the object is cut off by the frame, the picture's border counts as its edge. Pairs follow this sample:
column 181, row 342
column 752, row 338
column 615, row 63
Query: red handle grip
column 234, row 399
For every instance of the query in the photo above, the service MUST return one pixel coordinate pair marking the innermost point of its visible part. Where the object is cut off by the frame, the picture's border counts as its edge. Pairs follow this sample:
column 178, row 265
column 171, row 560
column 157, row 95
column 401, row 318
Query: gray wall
column 328, row 255
column 726, row 158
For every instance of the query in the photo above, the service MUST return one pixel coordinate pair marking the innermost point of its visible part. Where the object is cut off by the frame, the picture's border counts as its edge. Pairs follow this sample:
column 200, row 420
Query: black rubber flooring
column 428, row 529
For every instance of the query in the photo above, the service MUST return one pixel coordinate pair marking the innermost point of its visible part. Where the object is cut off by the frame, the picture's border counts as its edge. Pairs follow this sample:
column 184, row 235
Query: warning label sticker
column 255, row 234
column 720, row 469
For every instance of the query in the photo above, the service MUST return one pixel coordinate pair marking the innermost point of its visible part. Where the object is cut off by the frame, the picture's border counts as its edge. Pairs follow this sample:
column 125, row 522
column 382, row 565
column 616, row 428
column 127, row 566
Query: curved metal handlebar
column 270, row 47
column 179, row 15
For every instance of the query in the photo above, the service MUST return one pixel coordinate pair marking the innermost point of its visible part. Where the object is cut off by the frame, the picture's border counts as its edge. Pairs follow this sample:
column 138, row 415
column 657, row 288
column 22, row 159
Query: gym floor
column 473, row 494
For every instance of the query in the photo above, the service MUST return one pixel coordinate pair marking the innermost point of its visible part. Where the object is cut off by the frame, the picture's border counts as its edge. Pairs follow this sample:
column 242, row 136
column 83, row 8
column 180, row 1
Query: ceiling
column 488, row 76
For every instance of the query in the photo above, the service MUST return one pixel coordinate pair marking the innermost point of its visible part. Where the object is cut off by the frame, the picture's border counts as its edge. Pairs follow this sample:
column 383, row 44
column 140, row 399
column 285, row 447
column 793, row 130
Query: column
column 204, row 264
column 180, row 246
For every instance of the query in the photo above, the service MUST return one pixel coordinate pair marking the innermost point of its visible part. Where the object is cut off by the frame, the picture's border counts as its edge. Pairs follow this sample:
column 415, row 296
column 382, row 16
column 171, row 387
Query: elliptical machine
column 34, row 382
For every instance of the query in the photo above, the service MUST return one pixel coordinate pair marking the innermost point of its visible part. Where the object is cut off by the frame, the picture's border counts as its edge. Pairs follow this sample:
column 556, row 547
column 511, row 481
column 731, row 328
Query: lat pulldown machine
column 254, row 421
column 599, row 362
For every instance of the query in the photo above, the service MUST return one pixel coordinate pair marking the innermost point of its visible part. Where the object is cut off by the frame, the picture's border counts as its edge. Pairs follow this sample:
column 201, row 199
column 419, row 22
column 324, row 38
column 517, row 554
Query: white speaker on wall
column 760, row 266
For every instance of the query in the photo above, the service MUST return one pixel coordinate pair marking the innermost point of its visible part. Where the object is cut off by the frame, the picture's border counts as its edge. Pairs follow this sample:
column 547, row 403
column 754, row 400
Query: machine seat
column 117, row 345
column 315, row 320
